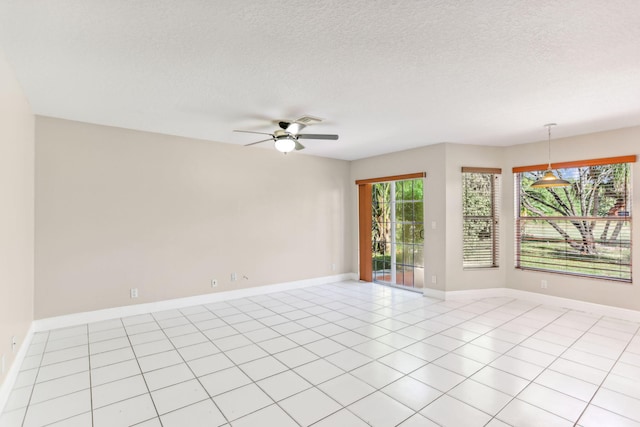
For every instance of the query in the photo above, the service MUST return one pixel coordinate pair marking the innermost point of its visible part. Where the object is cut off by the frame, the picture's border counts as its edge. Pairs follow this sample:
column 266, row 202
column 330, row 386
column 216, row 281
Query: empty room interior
column 220, row 213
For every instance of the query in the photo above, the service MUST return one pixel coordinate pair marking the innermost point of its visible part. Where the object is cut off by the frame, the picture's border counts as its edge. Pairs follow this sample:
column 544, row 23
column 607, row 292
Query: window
column 583, row 229
column 480, row 211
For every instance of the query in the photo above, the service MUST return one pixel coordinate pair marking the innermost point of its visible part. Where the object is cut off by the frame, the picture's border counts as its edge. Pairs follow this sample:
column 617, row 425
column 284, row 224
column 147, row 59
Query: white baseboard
column 132, row 310
column 434, row 293
column 14, row 370
column 111, row 313
column 601, row 309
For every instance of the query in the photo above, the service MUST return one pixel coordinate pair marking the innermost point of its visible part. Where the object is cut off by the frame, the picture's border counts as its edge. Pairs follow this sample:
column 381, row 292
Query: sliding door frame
column 365, row 224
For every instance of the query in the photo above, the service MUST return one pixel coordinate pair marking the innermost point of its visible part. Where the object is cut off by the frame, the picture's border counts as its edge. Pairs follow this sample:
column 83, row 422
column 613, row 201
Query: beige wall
column 458, row 278
column 16, row 213
column 120, row 209
column 592, row 146
column 443, row 204
column 430, row 159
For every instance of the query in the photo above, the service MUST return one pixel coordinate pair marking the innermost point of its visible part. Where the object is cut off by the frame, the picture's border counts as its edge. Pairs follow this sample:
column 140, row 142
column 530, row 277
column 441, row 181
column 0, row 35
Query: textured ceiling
column 385, row 75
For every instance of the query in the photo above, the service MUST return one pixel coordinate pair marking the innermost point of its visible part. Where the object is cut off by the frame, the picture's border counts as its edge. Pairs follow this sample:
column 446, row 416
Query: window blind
column 480, row 212
column 583, row 229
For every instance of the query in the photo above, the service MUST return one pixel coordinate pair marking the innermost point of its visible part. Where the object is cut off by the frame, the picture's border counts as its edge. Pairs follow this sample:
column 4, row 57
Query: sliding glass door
column 397, row 233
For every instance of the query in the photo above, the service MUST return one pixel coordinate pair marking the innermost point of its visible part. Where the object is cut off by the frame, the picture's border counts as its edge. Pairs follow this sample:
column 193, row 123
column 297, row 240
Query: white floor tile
column 578, row 370
column 57, row 409
column 374, row 349
column 198, row 350
column 188, row 340
column 324, row 347
column 114, row 372
column 12, row 418
column 532, row 356
column 618, row 403
column 209, row 364
column 500, row 380
column 380, row 410
column 263, row 368
column 376, row 374
column 477, row 353
column 177, row 396
column 125, row 413
column 517, row 367
column 598, row 417
column 82, row 420
column 270, row 416
column 418, row 420
column 295, row 357
column 154, row 347
column 425, row 351
column 242, row 401
column 553, row 401
column 283, row 385
column 450, row 412
column 224, row 381
column 246, row 354
column 437, row 377
column 309, row 406
column 458, row 364
column 480, row 396
column 62, row 369
column 397, row 347
column 403, row 362
column 346, row 389
column 318, row 371
column 26, row 378
column 277, row 345
column 342, row 418
column 412, row 393
column 64, row 355
column 59, row 387
column 522, row 414
column 165, row 377
column 19, row 398
column 568, row 385
column 348, row 359
column 116, row 391
column 110, row 357
column 231, row 342
column 109, row 345
column 153, row 422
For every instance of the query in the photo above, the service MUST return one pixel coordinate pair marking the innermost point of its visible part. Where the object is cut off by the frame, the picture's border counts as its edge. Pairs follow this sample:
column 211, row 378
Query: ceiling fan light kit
column 285, row 144
column 286, row 138
column 549, row 180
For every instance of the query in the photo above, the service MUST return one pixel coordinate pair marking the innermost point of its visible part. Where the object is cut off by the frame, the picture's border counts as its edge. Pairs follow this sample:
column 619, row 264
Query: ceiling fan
column 286, row 138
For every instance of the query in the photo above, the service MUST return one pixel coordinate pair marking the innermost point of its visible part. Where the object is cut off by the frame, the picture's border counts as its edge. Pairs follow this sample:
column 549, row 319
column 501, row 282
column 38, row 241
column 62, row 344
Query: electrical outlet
column 333, row 267
column 134, row 292
column 543, row 284
column 234, row 277
column 434, row 279
column 14, row 343
column 214, row 283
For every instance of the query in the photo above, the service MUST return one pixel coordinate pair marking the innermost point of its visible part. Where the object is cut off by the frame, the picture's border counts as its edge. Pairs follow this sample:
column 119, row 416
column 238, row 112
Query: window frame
column 493, row 218
column 626, row 218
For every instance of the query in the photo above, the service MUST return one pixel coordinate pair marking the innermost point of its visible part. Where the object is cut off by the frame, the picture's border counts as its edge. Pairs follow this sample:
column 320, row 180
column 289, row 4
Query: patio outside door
column 397, row 233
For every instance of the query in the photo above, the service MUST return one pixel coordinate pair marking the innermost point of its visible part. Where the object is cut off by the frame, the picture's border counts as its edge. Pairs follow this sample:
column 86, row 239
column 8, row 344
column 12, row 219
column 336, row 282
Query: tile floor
column 346, row 354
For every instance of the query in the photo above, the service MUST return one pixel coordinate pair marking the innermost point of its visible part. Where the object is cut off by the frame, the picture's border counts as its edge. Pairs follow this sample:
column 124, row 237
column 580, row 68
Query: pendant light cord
column 548, row 126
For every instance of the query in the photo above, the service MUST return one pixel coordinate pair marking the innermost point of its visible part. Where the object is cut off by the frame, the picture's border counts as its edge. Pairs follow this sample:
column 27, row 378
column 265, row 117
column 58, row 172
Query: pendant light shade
column 549, row 180
column 285, row 144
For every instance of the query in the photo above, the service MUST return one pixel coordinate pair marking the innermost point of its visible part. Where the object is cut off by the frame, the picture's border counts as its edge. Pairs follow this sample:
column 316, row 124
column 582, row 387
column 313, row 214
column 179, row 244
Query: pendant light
column 549, row 179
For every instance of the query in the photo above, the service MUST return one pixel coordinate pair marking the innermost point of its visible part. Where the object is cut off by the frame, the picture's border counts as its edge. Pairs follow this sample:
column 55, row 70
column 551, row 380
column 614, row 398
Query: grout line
column 361, row 308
